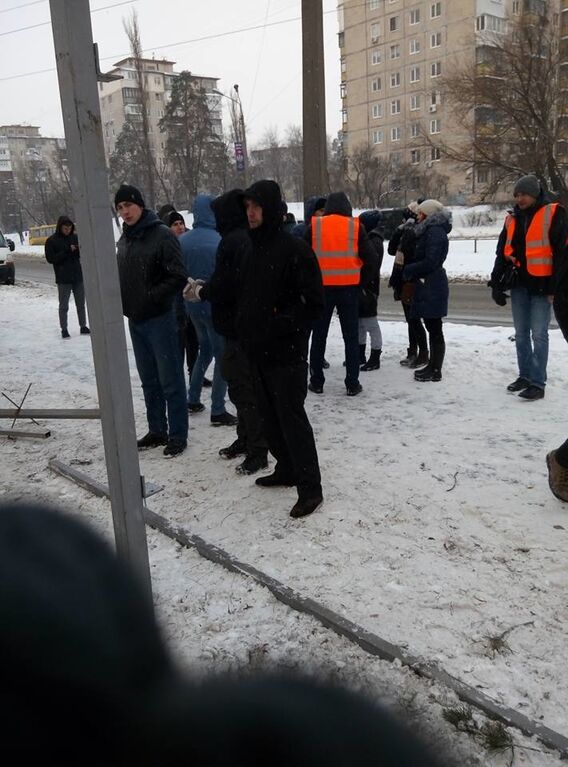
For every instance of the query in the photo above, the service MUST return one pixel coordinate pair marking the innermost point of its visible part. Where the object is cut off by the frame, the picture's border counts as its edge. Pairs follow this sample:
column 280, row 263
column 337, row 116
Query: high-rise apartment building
column 122, row 98
column 394, row 55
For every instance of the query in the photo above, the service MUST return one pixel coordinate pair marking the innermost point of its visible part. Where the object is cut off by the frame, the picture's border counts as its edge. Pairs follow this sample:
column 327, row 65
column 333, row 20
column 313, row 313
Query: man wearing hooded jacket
column 151, row 273
column 280, row 296
column 529, row 251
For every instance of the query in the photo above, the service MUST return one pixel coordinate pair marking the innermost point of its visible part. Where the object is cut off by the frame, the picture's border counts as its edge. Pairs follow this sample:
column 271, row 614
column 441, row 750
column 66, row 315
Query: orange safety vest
column 538, row 250
column 335, row 241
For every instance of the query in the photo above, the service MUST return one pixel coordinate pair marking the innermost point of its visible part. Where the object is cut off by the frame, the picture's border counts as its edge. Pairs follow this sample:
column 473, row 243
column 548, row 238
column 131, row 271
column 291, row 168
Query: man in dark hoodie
column 529, row 251
column 280, row 296
column 348, row 264
column 62, row 250
column 151, row 273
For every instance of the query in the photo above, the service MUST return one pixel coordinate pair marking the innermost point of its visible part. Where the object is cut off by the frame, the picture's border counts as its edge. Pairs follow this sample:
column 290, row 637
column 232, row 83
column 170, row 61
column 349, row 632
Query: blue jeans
column 346, row 299
column 160, row 367
column 211, row 345
column 531, row 316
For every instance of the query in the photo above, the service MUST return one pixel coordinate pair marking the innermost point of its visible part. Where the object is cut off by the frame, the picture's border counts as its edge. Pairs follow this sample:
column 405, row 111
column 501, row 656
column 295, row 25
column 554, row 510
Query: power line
column 24, row 5
column 48, row 23
column 261, row 49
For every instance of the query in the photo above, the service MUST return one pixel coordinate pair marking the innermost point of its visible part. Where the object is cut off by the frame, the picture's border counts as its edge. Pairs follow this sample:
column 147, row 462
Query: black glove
column 499, row 297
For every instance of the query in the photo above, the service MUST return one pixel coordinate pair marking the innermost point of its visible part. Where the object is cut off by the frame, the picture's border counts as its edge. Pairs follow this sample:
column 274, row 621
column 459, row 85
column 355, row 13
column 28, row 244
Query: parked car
column 7, row 267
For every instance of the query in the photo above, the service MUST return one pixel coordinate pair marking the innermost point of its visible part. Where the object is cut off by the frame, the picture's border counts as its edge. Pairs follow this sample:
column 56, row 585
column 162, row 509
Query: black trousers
column 281, row 391
column 237, row 371
column 189, row 345
column 416, row 332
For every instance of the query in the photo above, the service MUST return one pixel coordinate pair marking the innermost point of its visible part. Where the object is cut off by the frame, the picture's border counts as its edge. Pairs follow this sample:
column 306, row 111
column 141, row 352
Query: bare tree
column 513, row 105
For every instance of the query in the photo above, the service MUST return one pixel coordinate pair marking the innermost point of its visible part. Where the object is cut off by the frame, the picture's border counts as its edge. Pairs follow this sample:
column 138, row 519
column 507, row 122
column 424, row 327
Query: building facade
column 394, row 56
column 121, row 98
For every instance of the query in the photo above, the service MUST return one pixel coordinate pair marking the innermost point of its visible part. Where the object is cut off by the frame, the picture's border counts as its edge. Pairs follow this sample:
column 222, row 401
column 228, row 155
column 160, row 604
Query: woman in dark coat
column 430, row 299
column 402, row 246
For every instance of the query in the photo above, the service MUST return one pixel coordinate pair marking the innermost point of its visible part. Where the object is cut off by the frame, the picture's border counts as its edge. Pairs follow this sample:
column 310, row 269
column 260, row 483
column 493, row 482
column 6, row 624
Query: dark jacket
column 280, row 288
column 311, row 204
column 338, row 204
column 403, row 240
column 150, row 268
column 558, row 234
column 235, row 245
column 430, row 299
column 63, row 252
column 369, row 299
column 561, row 295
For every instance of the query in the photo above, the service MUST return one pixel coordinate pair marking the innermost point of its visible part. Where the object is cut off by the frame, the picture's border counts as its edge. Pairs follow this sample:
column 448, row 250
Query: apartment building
column 121, row 98
column 394, row 55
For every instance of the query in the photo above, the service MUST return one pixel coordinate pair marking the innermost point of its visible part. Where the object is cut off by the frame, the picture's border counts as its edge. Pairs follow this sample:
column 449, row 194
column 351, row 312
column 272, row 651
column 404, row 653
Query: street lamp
column 239, row 132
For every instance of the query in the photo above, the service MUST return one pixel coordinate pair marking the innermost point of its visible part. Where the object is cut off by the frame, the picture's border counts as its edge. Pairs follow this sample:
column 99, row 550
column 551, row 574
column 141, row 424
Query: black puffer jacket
column 221, row 290
column 150, row 268
column 63, row 252
column 280, row 288
column 557, row 233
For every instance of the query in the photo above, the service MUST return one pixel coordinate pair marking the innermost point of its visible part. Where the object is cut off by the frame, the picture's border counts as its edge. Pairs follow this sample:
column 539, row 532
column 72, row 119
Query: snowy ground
column 438, row 530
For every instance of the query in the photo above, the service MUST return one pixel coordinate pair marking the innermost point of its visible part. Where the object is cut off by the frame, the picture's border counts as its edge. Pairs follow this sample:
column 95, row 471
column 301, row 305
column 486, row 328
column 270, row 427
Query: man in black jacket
column 62, row 250
column 280, row 295
column 151, row 273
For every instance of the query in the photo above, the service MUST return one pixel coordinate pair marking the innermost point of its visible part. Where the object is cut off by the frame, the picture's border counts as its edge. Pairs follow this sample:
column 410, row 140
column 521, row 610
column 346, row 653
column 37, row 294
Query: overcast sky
column 265, row 62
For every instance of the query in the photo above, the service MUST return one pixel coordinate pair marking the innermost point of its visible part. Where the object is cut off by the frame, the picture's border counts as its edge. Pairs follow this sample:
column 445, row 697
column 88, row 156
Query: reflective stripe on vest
column 335, row 241
column 538, row 250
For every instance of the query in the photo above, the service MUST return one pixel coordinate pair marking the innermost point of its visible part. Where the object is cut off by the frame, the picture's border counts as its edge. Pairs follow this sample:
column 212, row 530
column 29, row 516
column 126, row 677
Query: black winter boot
column 433, row 370
column 374, row 361
column 362, row 358
column 411, row 354
column 420, row 359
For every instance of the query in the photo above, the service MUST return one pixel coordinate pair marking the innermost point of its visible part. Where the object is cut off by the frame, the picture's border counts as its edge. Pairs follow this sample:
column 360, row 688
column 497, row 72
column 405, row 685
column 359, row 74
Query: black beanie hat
column 128, row 193
column 173, row 217
column 528, row 185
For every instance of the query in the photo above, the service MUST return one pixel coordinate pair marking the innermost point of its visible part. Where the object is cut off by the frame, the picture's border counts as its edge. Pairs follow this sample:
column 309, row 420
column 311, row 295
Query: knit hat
column 413, row 207
column 429, row 207
column 128, row 193
column 173, row 217
column 528, row 185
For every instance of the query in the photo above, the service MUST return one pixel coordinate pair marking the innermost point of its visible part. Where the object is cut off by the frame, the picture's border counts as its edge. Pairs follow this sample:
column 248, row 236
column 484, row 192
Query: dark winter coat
column 150, row 268
column 235, row 245
column 63, row 252
column 561, row 295
column 430, row 300
column 558, row 234
column 338, row 204
column 369, row 299
column 404, row 239
column 280, row 288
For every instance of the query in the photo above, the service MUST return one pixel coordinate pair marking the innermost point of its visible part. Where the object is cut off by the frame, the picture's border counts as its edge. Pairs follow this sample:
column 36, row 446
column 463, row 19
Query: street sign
column 239, row 156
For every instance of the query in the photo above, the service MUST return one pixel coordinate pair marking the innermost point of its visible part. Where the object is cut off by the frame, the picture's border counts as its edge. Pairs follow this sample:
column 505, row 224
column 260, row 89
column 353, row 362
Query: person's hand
column 499, row 297
column 192, row 290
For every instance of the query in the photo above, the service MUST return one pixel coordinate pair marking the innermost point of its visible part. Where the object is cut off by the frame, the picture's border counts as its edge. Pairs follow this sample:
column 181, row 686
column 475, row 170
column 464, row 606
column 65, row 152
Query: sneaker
column 315, row 389
column 305, row 506
column 175, row 447
column 353, row 391
column 519, row 384
column 532, row 393
column 195, row 407
column 252, row 464
column 557, row 477
column 65, row 334
column 224, row 419
column 85, row 331
column 207, row 383
column 152, row 440
column 238, row 447
column 275, row 480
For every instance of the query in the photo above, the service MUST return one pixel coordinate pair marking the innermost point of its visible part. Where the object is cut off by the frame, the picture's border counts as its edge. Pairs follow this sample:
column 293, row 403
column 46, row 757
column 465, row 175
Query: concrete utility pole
column 77, row 72
column 316, row 180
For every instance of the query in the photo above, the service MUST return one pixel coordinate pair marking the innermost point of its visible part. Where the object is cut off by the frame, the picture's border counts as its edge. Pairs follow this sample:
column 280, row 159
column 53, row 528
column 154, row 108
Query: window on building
column 415, row 74
column 395, row 51
column 376, row 57
column 342, row 90
column 435, row 10
column 435, row 98
column 341, row 39
column 435, row 153
column 378, row 136
column 516, row 7
column 395, row 79
column 414, row 130
column 435, row 40
column 376, row 84
column 414, row 46
column 343, row 116
column 157, row 80
column 395, row 107
column 414, row 102
column 483, row 176
column 158, row 96
column 375, row 32
column 373, row 5
column 415, row 156
column 394, row 23
column 377, row 111
column 415, row 16
column 435, row 69
column 343, row 64
column 435, row 126
column 396, row 134
column 488, row 23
